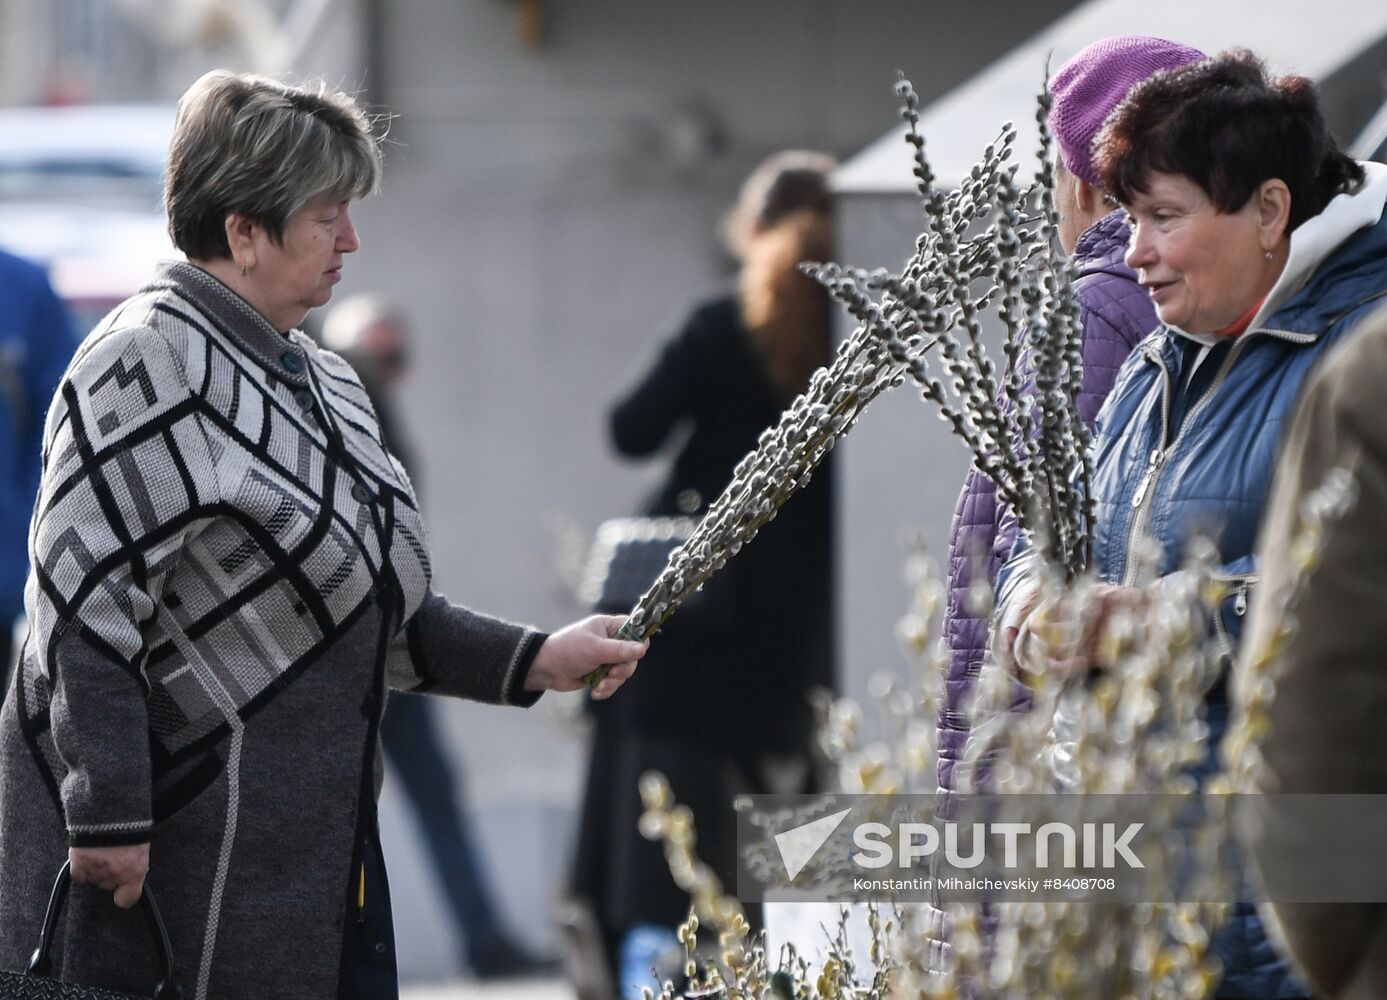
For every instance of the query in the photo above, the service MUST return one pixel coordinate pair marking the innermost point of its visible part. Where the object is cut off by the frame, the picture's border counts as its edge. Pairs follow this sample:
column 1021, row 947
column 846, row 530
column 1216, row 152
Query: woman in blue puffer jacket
column 1261, row 244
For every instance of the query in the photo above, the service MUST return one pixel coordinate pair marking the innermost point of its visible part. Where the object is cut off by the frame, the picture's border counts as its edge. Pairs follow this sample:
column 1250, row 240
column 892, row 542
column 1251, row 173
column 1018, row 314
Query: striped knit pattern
column 265, row 485
column 228, row 569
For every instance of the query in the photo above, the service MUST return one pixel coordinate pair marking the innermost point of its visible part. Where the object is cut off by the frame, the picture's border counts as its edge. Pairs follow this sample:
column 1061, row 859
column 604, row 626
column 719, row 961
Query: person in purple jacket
column 1117, row 313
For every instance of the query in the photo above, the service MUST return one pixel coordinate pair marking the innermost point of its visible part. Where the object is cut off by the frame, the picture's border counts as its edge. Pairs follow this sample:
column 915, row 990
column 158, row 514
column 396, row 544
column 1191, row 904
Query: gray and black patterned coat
column 229, row 571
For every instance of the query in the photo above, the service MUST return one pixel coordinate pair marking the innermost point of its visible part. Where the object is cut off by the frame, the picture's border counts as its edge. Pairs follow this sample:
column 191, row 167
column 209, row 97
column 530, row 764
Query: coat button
column 361, row 494
column 292, row 361
column 304, row 398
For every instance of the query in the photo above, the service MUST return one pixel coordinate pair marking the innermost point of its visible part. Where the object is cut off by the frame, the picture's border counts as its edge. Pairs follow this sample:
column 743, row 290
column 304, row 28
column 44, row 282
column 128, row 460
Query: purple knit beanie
column 1090, row 85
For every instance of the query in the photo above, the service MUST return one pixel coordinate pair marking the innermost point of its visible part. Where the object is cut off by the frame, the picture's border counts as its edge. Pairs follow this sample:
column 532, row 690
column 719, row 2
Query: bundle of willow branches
column 1030, row 442
column 1033, row 445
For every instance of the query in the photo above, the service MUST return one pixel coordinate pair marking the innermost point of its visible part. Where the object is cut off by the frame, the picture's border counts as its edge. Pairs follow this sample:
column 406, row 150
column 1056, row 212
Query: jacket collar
column 1102, row 247
column 236, row 319
column 1316, row 239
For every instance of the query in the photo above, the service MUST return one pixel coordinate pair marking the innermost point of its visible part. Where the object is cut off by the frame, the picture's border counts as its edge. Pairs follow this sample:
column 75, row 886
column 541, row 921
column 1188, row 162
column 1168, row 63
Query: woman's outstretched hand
column 116, row 869
column 577, row 650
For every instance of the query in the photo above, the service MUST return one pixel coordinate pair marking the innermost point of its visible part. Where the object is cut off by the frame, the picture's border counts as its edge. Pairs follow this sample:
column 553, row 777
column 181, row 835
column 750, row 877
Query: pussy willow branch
column 900, row 318
column 1029, row 447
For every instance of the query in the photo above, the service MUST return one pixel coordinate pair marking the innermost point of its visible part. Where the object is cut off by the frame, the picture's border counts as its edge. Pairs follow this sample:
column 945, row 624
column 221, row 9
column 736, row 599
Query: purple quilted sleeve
column 971, row 539
column 1118, row 314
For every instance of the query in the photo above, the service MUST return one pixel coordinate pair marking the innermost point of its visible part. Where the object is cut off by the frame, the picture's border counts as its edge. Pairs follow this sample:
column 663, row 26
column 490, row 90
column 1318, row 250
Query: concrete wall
column 899, row 473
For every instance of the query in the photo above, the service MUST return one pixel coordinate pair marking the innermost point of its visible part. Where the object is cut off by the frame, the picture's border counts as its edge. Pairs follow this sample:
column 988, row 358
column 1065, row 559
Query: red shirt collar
column 1239, row 326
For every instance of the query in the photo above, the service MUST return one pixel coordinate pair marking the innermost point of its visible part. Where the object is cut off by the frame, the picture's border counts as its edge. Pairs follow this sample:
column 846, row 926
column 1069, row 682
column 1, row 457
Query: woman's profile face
column 1202, row 268
column 298, row 274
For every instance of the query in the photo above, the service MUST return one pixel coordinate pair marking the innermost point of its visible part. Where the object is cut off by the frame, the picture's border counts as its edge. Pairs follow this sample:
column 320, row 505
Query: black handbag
column 629, row 553
column 35, row 984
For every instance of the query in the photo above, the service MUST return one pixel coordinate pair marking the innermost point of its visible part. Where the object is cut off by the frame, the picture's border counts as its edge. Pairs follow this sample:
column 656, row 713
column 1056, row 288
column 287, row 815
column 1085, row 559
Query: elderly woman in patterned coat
column 1116, row 314
column 229, row 572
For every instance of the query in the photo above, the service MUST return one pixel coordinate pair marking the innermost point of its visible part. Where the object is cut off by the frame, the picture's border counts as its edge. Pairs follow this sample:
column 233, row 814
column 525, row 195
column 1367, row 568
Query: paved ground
column 519, row 989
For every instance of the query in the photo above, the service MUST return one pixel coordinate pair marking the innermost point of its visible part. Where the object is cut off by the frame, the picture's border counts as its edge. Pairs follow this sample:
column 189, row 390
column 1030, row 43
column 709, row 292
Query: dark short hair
column 254, row 145
column 1228, row 126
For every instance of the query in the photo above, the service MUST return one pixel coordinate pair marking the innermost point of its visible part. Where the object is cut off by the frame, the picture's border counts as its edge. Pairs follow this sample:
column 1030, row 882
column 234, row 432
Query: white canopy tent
column 1322, row 41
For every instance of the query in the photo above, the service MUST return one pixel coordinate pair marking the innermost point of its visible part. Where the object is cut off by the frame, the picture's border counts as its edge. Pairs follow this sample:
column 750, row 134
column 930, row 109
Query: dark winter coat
column 724, row 688
column 229, row 569
column 776, row 642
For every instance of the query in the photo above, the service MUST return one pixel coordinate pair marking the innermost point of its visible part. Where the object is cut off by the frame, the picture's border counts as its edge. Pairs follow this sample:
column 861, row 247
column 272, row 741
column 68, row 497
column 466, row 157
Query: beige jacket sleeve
column 1328, row 731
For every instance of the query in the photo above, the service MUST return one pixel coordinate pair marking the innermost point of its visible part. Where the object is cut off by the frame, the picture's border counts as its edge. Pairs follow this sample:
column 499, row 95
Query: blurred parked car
column 80, row 192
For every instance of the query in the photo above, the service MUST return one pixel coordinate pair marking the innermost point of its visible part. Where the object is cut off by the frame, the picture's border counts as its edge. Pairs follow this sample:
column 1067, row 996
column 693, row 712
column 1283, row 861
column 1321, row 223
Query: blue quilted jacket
column 1172, row 461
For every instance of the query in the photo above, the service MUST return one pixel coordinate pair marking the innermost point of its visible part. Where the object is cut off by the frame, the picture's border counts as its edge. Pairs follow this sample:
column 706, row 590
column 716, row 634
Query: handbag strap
column 167, row 989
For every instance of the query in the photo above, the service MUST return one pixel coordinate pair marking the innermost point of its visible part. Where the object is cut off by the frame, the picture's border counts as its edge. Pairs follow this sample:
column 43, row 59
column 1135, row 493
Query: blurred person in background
column 1116, row 313
column 371, row 334
column 1325, row 731
column 1261, row 244
column 36, row 343
column 724, row 707
column 229, row 573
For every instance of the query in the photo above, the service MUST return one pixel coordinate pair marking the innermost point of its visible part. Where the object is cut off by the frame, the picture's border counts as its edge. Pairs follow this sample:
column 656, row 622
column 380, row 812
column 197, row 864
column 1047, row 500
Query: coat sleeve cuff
column 524, row 659
column 110, row 834
column 454, row 651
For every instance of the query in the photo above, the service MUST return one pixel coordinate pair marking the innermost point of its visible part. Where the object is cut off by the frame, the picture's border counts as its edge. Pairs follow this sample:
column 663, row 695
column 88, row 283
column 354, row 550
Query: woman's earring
column 244, row 268
column 1266, row 254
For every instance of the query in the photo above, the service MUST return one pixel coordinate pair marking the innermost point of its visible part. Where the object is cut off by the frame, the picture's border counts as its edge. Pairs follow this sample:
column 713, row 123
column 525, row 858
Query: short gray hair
column 263, row 148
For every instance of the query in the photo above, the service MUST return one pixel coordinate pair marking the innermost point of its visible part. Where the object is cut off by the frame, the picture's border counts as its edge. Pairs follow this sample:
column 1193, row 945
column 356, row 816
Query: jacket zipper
column 1153, row 468
column 1244, row 583
column 1146, row 490
column 1240, row 598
